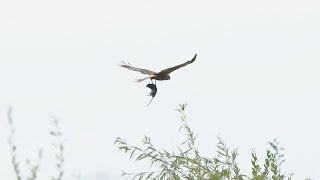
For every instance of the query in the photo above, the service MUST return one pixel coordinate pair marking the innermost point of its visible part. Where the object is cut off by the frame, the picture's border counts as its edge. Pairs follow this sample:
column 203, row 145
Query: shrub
column 33, row 168
column 187, row 163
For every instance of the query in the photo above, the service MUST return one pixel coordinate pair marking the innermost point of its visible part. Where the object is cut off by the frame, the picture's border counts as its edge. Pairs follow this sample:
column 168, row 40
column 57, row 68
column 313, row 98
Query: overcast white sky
column 256, row 78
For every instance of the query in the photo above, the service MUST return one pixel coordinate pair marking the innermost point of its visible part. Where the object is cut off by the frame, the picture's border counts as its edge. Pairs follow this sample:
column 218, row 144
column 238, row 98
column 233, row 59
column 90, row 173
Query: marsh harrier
column 162, row 75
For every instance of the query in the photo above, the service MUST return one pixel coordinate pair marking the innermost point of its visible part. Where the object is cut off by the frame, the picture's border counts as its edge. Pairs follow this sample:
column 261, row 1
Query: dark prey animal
column 153, row 92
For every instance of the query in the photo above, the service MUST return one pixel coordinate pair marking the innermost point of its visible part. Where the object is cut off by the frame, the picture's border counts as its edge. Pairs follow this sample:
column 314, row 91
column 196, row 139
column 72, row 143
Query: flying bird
column 162, row 75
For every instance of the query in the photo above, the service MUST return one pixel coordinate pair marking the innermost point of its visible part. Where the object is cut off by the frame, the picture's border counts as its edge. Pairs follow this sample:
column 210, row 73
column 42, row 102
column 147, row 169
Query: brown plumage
column 162, row 75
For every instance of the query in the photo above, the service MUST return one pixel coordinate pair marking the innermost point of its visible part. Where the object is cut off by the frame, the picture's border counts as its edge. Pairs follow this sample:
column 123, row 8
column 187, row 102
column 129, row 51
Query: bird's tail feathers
column 142, row 79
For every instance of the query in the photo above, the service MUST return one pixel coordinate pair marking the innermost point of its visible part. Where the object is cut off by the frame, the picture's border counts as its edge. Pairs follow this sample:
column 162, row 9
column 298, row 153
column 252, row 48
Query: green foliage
column 272, row 164
column 14, row 161
column 58, row 144
column 34, row 167
column 187, row 162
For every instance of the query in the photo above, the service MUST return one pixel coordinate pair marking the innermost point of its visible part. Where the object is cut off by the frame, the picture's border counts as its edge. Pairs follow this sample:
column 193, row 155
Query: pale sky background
column 256, row 78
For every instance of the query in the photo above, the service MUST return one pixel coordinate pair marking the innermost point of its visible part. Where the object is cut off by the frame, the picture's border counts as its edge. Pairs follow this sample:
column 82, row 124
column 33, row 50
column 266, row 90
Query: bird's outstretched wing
column 143, row 71
column 170, row 70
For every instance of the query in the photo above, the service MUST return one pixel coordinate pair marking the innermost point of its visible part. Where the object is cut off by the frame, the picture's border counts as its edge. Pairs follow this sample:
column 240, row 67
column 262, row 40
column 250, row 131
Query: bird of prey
column 162, row 75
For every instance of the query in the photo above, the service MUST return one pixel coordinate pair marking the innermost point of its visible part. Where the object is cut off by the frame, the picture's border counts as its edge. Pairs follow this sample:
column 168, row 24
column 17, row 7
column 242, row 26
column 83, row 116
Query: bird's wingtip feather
column 194, row 58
